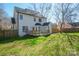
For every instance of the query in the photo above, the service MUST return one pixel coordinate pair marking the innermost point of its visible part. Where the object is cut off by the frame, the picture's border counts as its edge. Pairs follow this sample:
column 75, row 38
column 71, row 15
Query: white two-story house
column 30, row 22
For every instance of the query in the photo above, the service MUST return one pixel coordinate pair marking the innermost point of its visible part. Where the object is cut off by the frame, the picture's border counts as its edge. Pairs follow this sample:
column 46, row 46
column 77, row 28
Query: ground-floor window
column 25, row 28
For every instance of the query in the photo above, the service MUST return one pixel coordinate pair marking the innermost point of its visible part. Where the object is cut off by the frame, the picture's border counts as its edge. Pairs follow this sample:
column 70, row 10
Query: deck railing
column 36, row 33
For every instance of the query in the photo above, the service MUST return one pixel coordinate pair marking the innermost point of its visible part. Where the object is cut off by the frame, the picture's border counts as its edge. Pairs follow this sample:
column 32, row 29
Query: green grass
column 52, row 45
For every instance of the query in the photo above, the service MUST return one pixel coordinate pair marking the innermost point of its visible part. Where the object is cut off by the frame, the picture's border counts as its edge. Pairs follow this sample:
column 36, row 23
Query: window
column 34, row 19
column 0, row 20
column 21, row 17
column 25, row 28
column 40, row 20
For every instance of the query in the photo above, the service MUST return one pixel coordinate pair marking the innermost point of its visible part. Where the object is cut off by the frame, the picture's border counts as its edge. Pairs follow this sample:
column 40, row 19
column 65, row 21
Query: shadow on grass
column 73, row 39
column 46, row 35
column 11, row 39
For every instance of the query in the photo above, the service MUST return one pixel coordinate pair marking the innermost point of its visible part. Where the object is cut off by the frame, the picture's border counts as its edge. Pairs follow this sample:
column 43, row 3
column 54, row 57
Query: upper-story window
column 40, row 20
column 34, row 19
column 21, row 17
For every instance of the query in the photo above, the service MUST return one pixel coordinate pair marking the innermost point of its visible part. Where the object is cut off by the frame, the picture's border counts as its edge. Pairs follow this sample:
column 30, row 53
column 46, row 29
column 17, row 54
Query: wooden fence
column 71, row 30
column 8, row 33
column 55, row 30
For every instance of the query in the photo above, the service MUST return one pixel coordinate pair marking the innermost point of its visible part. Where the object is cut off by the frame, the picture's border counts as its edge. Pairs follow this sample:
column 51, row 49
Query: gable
column 29, row 12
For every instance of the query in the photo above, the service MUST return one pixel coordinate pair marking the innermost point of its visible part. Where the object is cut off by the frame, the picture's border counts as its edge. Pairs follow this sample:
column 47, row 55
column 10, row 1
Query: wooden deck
column 37, row 33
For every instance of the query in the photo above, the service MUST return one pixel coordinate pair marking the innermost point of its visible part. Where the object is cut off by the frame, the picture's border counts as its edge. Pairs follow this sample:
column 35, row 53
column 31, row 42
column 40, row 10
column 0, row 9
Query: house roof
column 74, row 24
column 38, row 24
column 29, row 12
column 46, row 24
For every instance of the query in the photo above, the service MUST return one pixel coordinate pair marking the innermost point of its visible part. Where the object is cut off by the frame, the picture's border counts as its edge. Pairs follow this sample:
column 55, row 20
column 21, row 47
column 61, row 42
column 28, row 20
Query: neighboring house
column 31, row 22
column 73, row 26
column 5, row 23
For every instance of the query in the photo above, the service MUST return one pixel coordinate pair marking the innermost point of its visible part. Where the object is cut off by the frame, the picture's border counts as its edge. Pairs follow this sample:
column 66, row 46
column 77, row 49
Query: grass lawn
column 54, row 44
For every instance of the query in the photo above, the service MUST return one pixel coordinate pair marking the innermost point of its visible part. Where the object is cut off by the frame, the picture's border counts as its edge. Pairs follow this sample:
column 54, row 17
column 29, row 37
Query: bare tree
column 3, row 13
column 3, row 16
column 44, row 8
column 65, row 12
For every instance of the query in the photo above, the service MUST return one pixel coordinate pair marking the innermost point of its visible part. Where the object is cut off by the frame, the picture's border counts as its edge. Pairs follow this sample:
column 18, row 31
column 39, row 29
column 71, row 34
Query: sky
column 9, row 8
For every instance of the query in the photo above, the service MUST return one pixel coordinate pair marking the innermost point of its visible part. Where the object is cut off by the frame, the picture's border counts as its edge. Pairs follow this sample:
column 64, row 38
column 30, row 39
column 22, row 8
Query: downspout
column 48, row 28
column 17, row 22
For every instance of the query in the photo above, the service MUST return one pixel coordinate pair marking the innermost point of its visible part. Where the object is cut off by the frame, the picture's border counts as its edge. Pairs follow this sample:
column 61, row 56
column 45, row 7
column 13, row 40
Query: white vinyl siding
column 21, row 17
